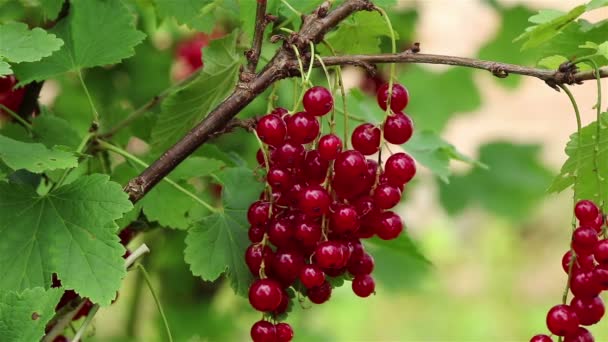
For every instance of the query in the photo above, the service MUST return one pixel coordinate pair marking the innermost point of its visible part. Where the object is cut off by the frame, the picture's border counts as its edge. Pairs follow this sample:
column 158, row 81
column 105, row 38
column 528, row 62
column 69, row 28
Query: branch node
column 498, row 70
column 415, row 48
column 277, row 37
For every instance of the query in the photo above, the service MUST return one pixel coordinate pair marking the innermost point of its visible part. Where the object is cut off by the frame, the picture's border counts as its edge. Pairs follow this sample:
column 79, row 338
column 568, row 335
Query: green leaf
column 196, row 167
column 19, row 44
column 435, row 153
column 567, row 42
column 600, row 55
column 581, row 174
column 594, row 4
column 189, row 12
column 86, row 45
column 69, row 231
column 24, row 315
column 359, row 34
column 5, row 68
column 549, row 25
column 34, row 157
column 552, row 62
column 190, row 103
column 54, row 131
column 51, row 8
column 514, row 182
column 216, row 244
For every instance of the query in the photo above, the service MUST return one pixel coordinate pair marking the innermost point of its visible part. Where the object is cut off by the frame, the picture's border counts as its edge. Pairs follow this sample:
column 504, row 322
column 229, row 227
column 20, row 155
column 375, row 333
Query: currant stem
column 86, row 323
column 392, row 65
column 17, row 117
column 156, row 300
column 79, row 149
column 295, row 11
column 86, row 91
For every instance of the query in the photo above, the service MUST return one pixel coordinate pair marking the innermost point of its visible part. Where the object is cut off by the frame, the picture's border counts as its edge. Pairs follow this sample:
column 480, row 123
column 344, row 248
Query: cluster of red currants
column 320, row 200
column 10, row 97
column 587, row 266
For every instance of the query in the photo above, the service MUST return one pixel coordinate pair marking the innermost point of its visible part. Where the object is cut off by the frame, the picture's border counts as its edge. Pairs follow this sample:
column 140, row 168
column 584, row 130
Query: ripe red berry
column 581, row 335
column 386, row 196
column 258, row 213
column 280, row 111
column 364, row 264
column 562, row 320
column 256, row 233
column 582, row 262
column 329, row 146
column 586, row 211
column 389, row 225
column 311, row 276
column 319, row 294
column 315, row 168
column 399, row 169
column 350, row 165
column 10, row 97
column 398, row 128
column 190, row 50
column 271, row 129
column 584, row 240
column 279, row 179
column 329, row 254
column 318, row 101
column 263, row 331
column 286, row 266
column 289, row 155
column 344, row 219
column 601, row 251
column 314, row 201
column 284, row 303
column 366, row 139
column 588, row 310
column 600, row 276
column 302, row 128
column 597, row 223
column 541, row 338
column 399, row 99
column 265, row 295
column 583, row 284
column 284, row 332
column 255, row 254
column 363, row 285
column 308, row 233
column 280, row 233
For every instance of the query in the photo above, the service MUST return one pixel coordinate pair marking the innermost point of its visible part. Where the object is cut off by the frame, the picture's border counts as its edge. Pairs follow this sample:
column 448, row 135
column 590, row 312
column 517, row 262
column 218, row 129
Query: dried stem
column 261, row 20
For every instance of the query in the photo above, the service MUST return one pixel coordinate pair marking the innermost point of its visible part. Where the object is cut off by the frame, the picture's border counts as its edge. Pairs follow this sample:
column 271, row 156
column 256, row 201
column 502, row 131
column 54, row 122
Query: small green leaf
column 69, row 231
column 54, row 131
column 359, row 34
column 552, row 62
column 240, row 188
column 196, row 167
column 549, row 25
column 601, row 52
column 19, row 44
column 595, row 4
column 51, row 8
column 5, row 68
column 189, row 12
column 34, row 157
column 24, row 315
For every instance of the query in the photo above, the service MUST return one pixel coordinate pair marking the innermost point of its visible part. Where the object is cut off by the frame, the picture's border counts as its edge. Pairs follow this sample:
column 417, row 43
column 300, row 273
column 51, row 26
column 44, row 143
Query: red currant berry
column 318, row 101
column 263, row 331
column 361, row 265
column 581, row 335
column 280, row 111
column 67, row 297
column 271, row 129
column 601, row 251
column 597, row 223
column 350, row 165
column 586, row 211
column 289, row 155
column 584, row 284
column 314, row 201
column 344, row 219
column 286, row 265
column 265, row 295
column 363, row 285
column 315, row 168
column 280, row 233
column 386, row 196
column 258, row 213
column 399, row 169
column 584, row 240
column 562, row 320
column 541, row 338
column 308, row 233
column 582, row 262
column 588, row 310
column 279, row 179
column 366, row 138
column 600, row 276
column 398, row 128
column 10, row 97
column 319, row 294
column 311, row 276
column 259, row 157
column 302, row 128
column 255, row 254
column 329, row 146
column 389, row 225
column 284, row 332
column 329, row 254
column 284, row 303
column 399, row 99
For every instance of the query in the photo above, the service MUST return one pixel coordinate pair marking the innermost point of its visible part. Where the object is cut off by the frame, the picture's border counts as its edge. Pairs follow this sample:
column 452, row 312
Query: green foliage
column 549, row 24
column 24, row 315
column 190, row 103
column 579, row 170
column 33, row 156
column 69, row 231
column 216, row 244
column 51, row 8
column 53, row 131
column 359, row 34
column 85, row 44
column 189, row 12
column 19, row 44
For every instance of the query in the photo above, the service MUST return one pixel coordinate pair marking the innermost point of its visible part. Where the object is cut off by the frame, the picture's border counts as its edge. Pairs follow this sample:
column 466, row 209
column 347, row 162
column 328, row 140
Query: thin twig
column 253, row 55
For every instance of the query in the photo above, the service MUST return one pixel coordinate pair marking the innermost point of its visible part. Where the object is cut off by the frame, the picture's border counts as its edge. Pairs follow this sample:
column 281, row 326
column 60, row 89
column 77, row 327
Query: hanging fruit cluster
column 321, row 199
column 587, row 266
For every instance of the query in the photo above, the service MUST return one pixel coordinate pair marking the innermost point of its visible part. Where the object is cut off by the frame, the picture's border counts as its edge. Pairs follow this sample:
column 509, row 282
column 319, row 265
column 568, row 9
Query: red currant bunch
column 321, row 199
column 10, row 97
column 587, row 266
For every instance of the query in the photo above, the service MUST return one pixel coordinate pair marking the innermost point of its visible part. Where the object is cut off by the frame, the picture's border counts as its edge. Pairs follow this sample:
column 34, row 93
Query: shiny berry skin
column 399, row 169
column 389, row 225
column 562, row 320
column 601, row 251
column 280, row 111
column 314, row 201
column 597, row 223
column 399, row 99
column 308, row 233
column 344, row 219
column 263, row 331
column 581, row 335
column 190, row 50
column 582, row 262
column 271, row 129
column 351, row 166
column 361, row 265
column 284, row 304
column 311, row 276
column 398, row 128
column 302, row 128
column 265, row 295
column 363, row 285
column 258, row 213
column 318, row 101
column 255, row 254
column 315, row 168
column 586, row 211
column 286, row 265
column 584, row 240
column 9, row 97
column 329, row 254
column 280, row 233
column 289, row 155
column 583, row 284
column 588, row 310
column 600, row 276
column 366, row 139
column 386, row 196
column 284, row 332
column 279, row 179
column 541, row 338
column 319, row 294
column 329, row 146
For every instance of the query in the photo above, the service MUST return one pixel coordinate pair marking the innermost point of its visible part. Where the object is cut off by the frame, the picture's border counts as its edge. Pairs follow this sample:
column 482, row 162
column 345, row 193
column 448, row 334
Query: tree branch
column 261, row 20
